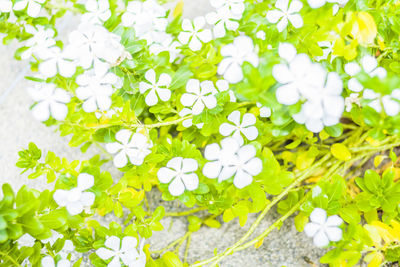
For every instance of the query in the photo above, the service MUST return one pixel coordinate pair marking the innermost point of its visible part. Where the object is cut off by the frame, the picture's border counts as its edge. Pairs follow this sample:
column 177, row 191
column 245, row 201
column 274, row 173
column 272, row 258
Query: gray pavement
column 285, row 247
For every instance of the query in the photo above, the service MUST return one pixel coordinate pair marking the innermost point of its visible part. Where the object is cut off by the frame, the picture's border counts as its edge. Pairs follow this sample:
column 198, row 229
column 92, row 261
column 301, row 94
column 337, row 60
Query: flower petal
column 318, row 216
column 242, row 179
column 165, row 175
column 176, row 188
column 85, row 181
column 191, row 181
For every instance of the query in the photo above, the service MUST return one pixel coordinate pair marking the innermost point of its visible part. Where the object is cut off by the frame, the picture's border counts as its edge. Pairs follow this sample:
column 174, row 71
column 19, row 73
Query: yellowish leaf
column 340, row 151
column 323, row 135
column 364, row 28
column 372, row 141
column 373, row 234
column 378, row 160
column 259, row 243
column 303, row 161
column 178, row 9
column 376, row 259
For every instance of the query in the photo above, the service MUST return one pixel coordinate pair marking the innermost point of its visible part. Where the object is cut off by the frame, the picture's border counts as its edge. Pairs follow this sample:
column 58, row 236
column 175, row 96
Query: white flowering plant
column 254, row 106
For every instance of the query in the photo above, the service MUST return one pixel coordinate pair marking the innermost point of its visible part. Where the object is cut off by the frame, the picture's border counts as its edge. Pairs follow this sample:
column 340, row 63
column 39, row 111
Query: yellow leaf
column 373, row 234
column 178, row 9
column 340, row 151
column 323, row 135
column 381, row 43
column 303, row 161
column 287, row 156
column 364, row 28
column 378, row 160
column 372, row 141
column 259, row 243
column 384, row 231
column 376, row 259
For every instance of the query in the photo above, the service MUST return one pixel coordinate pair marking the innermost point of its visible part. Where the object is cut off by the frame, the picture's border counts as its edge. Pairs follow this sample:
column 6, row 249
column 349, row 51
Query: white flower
column 26, row 240
column 98, row 11
column 235, row 54
column 50, row 101
column 324, row 105
column 199, row 95
column 41, row 40
column 5, row 6
column 286, row 13
column 194, row 34
column 369, row 65
column 390, row 103
column 133, row 146
column 297, row 77
column 158, row 89
column 246, row 127
column 261, row 35
column 232, row 160
column 57, row 61
column 147, row 18
column 181, row 173
column 189, row 122
column 265, row 112
column 234, row 6
column 322, row 228
column 34, row 6
column 76, row 198
column 166, row 44
column 223, row 20
column 48, row 261
column 125, row 251
column 96, row 88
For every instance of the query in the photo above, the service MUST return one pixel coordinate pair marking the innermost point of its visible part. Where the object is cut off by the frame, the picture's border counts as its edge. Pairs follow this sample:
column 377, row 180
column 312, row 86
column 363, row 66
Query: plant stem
column 184, row 213
column 171, row 245
column 187, row 248
column 273, row 226
column 9, row 258
column 230, row 250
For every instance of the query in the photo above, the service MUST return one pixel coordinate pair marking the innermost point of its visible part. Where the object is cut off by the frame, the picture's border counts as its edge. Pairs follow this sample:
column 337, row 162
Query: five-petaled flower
column 57, row 61
column 235, row 6
column 244, row 126
column 390, row 103
column 235, row 54
column 98, row 11
column 48, row 261
column 323, row 229
column 41, row 40
column 324, row 105
column 285, row 13
column 34, row 7
column 96, row 88
column 194, row 34
column 76, row 198
column 50, row 101
column 91, row 42
column 223, row 20
column 132, row 146
column 199, row 95
column 370, row 65
column 232, row 160
column 181, row 171
column 125, row 251
column 148, row 19
column 158, row 89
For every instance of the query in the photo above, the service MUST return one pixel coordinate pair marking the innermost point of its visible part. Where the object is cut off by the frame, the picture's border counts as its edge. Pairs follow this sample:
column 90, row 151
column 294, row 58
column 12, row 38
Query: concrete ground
column 285, row 247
